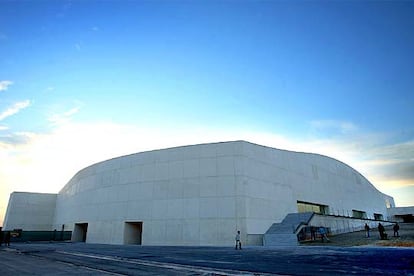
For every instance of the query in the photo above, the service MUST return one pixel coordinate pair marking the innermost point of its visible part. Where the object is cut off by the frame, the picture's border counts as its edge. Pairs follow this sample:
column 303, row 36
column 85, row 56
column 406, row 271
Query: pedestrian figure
column 238, row 242
column 396, row 228
column 367, row 230
column 322, row 232
column 302, row 234
column 1, row 236
column 7, row 238
column 381, row 231
column 313, row 233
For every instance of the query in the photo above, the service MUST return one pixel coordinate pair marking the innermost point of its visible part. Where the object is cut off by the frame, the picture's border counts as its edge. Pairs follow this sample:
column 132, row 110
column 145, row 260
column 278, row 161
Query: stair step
column 283, row 233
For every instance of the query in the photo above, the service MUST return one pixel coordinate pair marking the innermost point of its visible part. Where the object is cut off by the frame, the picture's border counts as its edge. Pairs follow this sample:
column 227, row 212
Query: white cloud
column 10, row 140
column 14, row 109
column 62, row 118
column 5, row 84
column 342, row 127
column 49, row 89
column 391, row 165
column 3, row 128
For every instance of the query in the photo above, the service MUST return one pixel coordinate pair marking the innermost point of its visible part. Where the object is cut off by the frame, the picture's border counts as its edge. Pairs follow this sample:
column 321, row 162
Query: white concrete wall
column 30, row 211
column 202, row 194
column 183, row 196
column 276, row 179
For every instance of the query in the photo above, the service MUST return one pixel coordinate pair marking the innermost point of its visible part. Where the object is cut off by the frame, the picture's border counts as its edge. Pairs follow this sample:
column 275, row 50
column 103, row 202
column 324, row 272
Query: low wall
column 27, row 236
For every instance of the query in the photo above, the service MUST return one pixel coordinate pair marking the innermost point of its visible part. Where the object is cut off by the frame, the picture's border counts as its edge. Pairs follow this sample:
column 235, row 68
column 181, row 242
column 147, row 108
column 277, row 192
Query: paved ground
column 322, row 259
column 406, row 238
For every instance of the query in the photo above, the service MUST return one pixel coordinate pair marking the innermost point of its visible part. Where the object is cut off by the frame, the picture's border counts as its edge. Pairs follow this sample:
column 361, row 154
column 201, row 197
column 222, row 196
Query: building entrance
column 79, row 232
column 133, row 232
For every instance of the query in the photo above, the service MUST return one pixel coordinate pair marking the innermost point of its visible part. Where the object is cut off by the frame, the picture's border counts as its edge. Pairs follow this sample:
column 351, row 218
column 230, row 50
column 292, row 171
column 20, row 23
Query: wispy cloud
column 12, row 140
column 391, row 163
column 3, row 128
column 62, row 118
column 14, row 109
column 5, row 84
column 95, row 29
column 49, row 89
column 342, row 127
column 66, row 7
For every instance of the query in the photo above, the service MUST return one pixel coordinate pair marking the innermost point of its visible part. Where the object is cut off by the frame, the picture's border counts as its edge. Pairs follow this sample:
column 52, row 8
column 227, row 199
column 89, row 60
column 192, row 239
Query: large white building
column 198, row 195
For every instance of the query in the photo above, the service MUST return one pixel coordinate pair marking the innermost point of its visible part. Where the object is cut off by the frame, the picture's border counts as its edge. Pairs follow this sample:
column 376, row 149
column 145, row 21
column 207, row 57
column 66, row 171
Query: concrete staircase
column 284, row 233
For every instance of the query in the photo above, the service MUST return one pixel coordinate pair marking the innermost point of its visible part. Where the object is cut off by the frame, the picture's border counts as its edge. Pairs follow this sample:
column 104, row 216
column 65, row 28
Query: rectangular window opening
column 378, row 216
column 304, row 207
column 359, row 214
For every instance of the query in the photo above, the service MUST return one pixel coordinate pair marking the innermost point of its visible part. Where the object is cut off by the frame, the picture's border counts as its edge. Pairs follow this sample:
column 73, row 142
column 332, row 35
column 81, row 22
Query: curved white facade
column 202, row 194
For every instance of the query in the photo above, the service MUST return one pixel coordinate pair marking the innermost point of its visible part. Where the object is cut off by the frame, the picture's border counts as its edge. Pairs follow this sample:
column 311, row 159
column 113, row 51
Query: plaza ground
column 406, row 238
column 345, row 254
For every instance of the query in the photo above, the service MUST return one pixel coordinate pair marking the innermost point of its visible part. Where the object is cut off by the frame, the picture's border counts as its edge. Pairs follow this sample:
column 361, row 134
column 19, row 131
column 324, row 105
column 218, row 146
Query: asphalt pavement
column 97, row 259
column 351, row 253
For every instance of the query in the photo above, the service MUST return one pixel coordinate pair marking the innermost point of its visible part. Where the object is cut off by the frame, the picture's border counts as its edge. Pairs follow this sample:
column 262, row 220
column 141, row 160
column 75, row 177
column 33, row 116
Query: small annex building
column 199, row 195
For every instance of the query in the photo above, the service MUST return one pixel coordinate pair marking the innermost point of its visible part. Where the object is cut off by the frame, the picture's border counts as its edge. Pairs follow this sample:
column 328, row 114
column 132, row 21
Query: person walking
column 381, row 231
column 322, row 232
column 367, row 230
column 238, row 241
column 1, row 236
column 7, row 238
column 313, row 233
column 396, row 228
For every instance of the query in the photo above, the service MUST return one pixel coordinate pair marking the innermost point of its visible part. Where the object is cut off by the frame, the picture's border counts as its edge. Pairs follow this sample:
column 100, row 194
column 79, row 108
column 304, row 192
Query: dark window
column 359, row 214
column 304, row 207
column 378, row 217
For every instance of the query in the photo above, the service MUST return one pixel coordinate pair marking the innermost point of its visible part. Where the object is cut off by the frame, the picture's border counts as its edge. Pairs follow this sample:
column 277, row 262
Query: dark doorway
column 406, row 218
column 133, row 232
column 79, row 233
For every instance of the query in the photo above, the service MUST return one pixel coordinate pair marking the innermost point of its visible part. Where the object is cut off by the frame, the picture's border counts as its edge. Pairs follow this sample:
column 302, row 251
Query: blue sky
column 82, row 81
